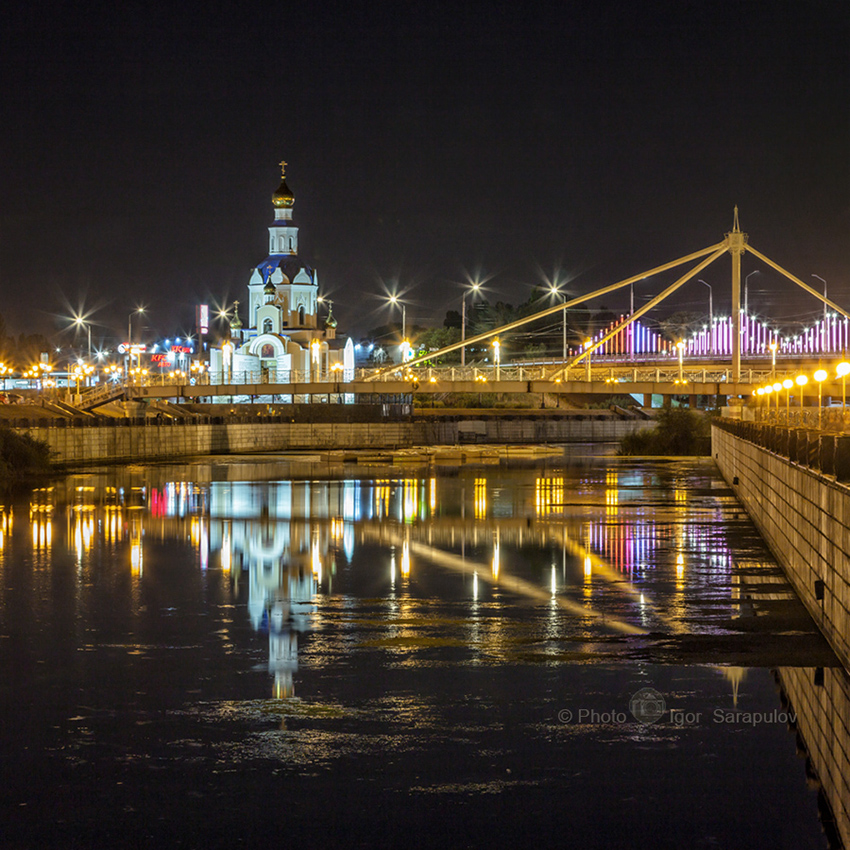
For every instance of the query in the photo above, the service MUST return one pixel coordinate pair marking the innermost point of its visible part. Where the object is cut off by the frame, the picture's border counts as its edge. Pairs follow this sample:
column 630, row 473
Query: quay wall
column 795, row 485
column 123, row 442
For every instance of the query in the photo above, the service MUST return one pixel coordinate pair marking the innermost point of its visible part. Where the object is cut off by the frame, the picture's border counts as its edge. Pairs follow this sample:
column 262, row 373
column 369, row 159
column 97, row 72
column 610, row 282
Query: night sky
column 140, row 145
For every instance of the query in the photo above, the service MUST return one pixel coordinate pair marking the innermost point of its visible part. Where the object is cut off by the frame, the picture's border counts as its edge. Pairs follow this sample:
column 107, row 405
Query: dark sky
column 140, row 145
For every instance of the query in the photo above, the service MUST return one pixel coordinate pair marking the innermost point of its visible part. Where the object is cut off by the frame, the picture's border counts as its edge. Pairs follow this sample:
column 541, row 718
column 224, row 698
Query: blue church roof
column 289, row 264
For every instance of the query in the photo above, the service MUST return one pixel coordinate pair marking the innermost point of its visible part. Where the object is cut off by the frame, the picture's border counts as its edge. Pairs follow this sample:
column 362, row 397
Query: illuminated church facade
column 283, row 339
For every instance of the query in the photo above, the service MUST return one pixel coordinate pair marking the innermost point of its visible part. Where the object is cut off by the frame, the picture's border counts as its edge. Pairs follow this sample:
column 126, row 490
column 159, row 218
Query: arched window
column 267, row 326
column 267, row 352
column 301, row 318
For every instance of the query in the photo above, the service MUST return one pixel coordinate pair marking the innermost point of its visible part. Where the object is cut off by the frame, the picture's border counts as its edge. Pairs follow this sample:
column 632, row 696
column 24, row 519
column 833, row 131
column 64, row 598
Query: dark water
column 570, row 651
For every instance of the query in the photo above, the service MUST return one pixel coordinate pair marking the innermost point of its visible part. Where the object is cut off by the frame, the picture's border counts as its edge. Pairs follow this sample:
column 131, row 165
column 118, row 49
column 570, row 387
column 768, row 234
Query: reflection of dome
column 283, row 197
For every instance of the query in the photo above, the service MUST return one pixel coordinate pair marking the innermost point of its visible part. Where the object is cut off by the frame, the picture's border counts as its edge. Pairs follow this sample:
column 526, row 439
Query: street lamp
column 140, row 311
column 474, row 288
column 747, row 291
column 823, row 332
column 820, row 377
column 842, row 370
column 710, row 315
column 788, row 384
column 587, row 343
column 773, row 346
column 681, row 346
column 802, row 380
column 555, row 291
column 394, row 299
column 497, row 354
column 80, row 322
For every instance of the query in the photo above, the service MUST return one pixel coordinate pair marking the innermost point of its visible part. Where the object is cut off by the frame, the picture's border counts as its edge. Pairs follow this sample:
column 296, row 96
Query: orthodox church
column 284, row 340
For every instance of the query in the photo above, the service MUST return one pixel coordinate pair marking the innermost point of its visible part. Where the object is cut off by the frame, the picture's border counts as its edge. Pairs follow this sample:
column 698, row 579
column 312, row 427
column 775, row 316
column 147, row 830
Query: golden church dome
column 283, row 197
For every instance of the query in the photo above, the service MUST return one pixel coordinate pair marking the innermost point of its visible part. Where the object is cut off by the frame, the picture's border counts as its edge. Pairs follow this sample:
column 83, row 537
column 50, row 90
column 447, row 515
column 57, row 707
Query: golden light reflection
column 411, row 499
column 112, row 524
column 136, row 550
column 316, row 556
column 382, row 499
column 612, row 493
column 405, row 559
column 432, row 495
column 496, row 555
column 480, row 498
column 548, row 494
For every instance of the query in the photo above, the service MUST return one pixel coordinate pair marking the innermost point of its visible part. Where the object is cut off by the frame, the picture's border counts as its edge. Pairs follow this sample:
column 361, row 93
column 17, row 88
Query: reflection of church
column 284, row 339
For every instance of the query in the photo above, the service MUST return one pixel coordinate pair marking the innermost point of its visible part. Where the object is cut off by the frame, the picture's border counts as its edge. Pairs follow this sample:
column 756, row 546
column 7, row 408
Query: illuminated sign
column 181, row 349
column 135, row 348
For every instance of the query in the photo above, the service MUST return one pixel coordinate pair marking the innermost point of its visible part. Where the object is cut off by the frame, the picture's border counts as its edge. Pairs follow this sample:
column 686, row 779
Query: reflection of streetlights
column 841, row 370
column 820, row 377
column 474, row 288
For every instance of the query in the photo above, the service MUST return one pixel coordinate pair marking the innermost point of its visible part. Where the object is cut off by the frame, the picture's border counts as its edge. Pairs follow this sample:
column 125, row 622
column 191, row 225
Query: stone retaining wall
column 803, row 514
column 121, row 442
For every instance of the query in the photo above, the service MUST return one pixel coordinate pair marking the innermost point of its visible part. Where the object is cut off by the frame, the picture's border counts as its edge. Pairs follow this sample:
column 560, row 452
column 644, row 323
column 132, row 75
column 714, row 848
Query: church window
column 301, row 315
column 267, row 326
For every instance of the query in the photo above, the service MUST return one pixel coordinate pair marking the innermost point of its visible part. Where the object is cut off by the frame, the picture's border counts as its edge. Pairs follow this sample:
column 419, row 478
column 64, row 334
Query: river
column 566, row 649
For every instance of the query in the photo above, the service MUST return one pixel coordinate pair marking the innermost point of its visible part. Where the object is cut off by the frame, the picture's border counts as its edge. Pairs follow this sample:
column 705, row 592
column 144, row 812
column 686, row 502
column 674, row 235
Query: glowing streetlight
column 777, row 388
column 497, row 355
column 842, row 369
column 788, row 384
column 587, row 343
column 475, row 287
column 80, row 322
column 773, row 346
column 554, row 290
column 820, row 376
column 395, row 301
column 681, row 347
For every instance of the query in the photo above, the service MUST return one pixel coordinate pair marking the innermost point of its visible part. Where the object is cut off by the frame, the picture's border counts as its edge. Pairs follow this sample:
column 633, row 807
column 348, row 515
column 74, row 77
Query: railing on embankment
column 795, row 484
column 120, row 441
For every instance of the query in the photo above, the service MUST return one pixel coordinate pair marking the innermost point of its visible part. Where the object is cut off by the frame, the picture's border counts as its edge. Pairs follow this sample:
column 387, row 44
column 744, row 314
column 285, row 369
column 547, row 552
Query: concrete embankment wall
column 802, row 512
column 820, row 699
column 122, row 442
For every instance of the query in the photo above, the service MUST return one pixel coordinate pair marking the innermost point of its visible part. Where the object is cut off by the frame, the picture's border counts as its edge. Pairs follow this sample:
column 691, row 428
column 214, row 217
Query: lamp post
column 747, row 292
column 842, row 369
column 820, row 377
column 823, row 332
column 394, row 299
column 773, row 346
column 801, row 381
column 475, row 287
column 710, row 315
column 555, row 291
column 80, row 322
column 587, row 343
column 140, row 311
column 788, row 384
column 497, row 354
column 681, row 348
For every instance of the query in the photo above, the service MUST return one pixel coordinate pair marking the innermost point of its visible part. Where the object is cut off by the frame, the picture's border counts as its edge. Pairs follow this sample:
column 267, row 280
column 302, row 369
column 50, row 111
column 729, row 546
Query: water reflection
column 498, row 569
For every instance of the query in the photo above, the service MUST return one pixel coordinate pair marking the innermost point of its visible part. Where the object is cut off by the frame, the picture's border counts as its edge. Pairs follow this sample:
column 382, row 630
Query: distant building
column 284, row 340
